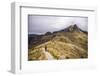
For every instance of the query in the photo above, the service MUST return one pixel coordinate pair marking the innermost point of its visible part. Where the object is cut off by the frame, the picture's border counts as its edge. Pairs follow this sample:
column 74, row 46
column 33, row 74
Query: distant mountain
column 71, row 42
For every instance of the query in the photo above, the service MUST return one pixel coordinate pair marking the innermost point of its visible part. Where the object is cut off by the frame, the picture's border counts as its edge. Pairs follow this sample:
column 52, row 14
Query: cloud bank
column 42, row 24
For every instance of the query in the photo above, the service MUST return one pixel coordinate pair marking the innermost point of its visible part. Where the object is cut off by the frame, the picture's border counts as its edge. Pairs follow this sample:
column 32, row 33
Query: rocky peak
column 73, row 28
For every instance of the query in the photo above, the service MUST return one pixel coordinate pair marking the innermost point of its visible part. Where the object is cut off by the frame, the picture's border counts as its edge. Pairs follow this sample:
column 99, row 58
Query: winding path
column 47, row 54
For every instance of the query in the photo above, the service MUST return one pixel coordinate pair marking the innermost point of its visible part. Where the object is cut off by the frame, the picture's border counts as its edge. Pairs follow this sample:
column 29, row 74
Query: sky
column 41, row 24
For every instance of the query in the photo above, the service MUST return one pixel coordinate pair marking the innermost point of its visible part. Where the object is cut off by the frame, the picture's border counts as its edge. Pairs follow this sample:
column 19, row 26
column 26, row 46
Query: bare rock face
column 73, row 28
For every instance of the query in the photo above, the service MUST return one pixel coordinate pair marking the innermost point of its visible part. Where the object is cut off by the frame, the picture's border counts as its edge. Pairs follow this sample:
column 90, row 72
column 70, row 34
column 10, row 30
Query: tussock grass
column 67, row 45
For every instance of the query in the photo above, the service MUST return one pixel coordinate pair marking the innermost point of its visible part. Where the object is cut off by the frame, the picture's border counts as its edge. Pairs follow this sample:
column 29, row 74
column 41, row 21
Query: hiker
column 45, row 48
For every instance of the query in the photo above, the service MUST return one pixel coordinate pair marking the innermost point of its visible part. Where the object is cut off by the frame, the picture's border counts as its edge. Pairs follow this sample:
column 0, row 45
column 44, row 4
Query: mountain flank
column 68, row 43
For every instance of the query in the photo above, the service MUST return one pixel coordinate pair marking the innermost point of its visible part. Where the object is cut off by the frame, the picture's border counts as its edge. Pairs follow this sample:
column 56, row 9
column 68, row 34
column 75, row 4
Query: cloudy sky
column 43, row 24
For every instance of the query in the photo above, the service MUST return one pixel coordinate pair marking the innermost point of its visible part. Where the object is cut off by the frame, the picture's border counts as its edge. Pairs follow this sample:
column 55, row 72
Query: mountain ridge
column 71, row 37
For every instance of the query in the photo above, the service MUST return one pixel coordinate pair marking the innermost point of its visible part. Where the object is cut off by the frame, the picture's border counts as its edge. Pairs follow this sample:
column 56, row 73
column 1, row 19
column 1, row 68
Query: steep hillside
column 68, row 43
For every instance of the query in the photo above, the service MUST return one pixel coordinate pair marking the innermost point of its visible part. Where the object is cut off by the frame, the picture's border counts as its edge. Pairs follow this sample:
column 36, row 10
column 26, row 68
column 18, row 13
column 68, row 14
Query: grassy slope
column 64, row 45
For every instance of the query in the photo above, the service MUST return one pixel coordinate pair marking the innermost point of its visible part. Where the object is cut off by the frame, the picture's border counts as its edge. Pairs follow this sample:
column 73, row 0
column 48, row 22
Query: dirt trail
column 47, row 54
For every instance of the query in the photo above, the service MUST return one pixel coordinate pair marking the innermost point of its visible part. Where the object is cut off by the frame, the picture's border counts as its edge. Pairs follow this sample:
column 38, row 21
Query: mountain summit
column 71, row 28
